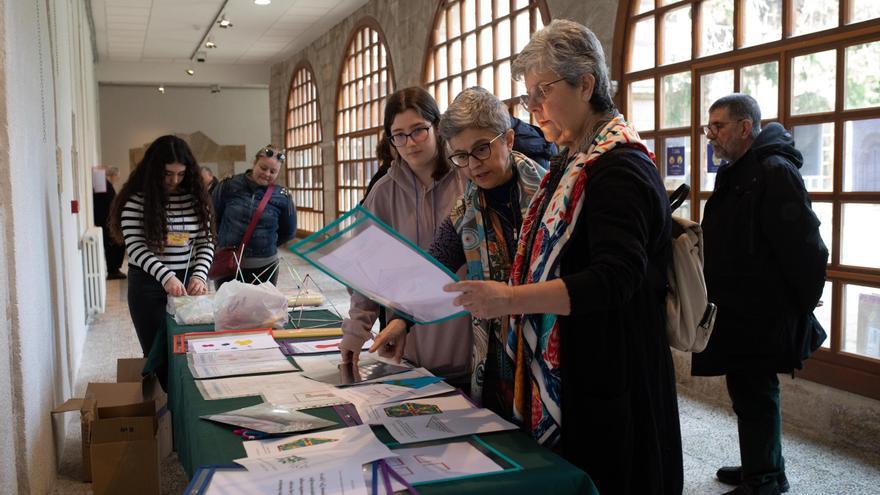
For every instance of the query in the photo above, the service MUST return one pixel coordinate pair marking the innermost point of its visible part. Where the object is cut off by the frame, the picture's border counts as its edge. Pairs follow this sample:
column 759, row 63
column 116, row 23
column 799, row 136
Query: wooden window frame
column 304, row 135
column 365, row 167
column 534, row 8
column 831, row 366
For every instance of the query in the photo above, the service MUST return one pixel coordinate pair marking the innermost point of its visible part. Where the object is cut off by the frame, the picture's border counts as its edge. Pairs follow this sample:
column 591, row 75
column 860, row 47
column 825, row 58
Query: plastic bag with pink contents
column 239, row 305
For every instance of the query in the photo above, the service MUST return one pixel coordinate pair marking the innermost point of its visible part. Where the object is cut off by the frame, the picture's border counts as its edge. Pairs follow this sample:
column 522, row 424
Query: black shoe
column 732, row 475
column 115, row 276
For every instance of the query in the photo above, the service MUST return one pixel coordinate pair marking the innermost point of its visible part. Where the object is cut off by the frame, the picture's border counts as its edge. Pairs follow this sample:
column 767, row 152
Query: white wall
column 132, row 116
column 47, row 133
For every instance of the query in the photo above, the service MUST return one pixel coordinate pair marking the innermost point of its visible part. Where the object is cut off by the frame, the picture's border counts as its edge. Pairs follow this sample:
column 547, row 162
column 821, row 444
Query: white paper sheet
column 381, row 414
column 286, row 389
column 439, row 462
column 233, row 342
column 355, row 445
column 446, row 425
column 223, row 358
column 363, row 396
column 319, row 346
column 380, row 266
column 343, row 479
column 202, row 371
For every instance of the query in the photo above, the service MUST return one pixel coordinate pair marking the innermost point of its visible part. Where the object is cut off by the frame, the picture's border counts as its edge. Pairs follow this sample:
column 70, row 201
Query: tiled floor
column 708, row 431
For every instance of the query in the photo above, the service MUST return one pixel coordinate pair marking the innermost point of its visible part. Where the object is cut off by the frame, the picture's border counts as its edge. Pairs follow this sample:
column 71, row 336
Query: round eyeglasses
column 537, row 95
column 417, row 135
column 268, row 152
column 481, row 152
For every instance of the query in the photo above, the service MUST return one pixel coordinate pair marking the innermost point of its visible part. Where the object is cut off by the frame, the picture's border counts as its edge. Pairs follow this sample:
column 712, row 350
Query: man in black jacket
column 765, row 270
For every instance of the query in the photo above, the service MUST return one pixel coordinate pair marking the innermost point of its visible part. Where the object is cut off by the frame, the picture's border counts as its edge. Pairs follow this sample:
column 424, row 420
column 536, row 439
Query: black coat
column 619, row 408
column 764, row 262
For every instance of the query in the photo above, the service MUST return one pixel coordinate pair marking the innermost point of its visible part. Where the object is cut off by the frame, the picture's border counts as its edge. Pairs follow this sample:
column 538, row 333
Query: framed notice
column 675, row 161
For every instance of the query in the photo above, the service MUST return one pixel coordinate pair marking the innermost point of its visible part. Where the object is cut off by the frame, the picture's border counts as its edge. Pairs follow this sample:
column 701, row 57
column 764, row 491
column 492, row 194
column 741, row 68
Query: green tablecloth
column 199, row 442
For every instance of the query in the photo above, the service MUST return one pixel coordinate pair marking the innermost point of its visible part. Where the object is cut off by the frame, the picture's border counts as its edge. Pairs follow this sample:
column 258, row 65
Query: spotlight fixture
column 262, row 2
column 162, row 89
column 210, row 44
column 215, row 88
column 224, row 22
column 201, row 57
column 190, row 72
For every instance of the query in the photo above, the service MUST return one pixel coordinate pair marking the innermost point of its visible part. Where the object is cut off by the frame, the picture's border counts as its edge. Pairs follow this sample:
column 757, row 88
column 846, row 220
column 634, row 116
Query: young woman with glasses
column 414, row 198
column 237, row 198
column 482, row 231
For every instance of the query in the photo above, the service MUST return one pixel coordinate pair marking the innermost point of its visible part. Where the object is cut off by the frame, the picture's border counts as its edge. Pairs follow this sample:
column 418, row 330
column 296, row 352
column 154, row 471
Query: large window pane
column 764, row 21
column 816, row 144
column 813, row 83
column 642, row 55
column 861, row 155
column 859, row 235
column 712, row 87
column 676, row 167
column 814, row 15
column 862, row 76
column 717, row 28
column 644, row 6
column 825, row 212
column 861, row 320
column 676, row 109
column 862, row 10
column 677, row 35
column 761, row 82
column 641, row 105
column 823, row 313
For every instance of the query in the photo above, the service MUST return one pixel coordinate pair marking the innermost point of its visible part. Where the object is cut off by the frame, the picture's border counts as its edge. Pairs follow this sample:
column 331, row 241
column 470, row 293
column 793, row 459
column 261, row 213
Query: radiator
column 94, row 270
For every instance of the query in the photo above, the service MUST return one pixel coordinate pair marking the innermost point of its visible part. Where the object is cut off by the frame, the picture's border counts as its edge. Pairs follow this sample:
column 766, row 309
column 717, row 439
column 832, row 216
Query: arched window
column 812, row 66
column 367, row 79
column 473, row 43
column 305, row 175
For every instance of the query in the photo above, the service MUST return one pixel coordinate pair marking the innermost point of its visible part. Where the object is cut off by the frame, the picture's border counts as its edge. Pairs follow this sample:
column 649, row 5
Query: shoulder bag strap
column 250, row 230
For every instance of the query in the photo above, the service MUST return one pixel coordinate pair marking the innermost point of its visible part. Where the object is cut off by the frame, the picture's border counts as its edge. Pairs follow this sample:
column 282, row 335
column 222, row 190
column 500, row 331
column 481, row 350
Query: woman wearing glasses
column 593, row 371
column 482, row 231
column 414, row 198
column 237, row 199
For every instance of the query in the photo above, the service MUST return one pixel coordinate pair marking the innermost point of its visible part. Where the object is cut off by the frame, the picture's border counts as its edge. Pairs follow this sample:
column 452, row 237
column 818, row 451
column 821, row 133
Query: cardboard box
column 123, row 406
column 125, row 450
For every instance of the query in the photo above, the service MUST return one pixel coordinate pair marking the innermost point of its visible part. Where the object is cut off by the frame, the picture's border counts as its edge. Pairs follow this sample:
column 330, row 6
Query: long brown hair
column 148, row 179
column 415, row 98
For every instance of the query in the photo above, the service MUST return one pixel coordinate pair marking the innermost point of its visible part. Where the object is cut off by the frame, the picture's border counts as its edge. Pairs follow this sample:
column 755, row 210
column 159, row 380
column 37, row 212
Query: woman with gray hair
column 482, row 230
column 593, row 371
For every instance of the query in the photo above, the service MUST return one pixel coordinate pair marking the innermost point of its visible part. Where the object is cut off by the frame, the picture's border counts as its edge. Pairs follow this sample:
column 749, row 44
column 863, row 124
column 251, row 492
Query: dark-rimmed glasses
column 481, row 152
column 417, row 135
column 270, row 152
column 537, row 95
column 715, row 127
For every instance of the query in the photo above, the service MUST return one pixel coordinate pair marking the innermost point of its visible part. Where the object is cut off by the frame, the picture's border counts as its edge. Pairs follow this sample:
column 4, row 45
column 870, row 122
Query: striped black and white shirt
column 181, row 218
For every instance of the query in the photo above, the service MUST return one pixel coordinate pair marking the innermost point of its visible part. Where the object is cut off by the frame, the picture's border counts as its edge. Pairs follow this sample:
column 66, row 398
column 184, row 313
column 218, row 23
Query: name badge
column 177, row 239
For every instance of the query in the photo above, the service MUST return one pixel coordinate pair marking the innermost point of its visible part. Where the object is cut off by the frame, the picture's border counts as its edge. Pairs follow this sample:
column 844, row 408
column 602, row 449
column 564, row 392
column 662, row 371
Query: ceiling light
column 262, row 2
column 224, row 22
column 162, row 89
column 215, row 88
column 210, row 44
column 190, row 72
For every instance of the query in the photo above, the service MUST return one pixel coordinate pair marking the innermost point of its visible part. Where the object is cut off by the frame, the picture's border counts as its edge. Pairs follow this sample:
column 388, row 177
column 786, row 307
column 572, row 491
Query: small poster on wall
column 675, row 161
column 713, row 163
column 99, row 180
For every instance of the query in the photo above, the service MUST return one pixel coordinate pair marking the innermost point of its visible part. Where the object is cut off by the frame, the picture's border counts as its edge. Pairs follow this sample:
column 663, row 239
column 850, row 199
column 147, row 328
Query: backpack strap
column 678, row 197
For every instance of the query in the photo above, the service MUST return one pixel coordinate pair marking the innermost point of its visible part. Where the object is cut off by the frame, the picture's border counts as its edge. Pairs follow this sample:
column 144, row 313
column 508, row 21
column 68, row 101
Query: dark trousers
column 755, row 398
column 147, row 300
column 249, row 275
column 113, row 252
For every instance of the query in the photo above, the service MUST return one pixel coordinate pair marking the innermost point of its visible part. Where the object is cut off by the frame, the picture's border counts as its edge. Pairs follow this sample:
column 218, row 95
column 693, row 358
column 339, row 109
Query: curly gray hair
column 474, row 108
column 570, row 50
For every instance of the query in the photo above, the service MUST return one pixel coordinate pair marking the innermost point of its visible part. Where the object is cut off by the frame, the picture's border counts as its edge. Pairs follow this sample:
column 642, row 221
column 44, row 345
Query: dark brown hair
column 148, row 179
column 415, row 98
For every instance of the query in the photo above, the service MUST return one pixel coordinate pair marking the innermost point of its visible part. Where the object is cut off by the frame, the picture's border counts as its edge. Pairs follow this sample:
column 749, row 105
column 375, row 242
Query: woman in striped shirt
column 163, row 214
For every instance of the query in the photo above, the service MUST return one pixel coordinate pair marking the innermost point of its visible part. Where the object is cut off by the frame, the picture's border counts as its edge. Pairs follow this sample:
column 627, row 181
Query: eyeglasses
column 269, row 152
column 417, row 135
column 715, row 127
column 534, row 98
column 481, row 152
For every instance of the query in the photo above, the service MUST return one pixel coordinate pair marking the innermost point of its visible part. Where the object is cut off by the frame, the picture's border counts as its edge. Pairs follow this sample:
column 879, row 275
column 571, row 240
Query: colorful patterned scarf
column 486, row 251
column 533, row 339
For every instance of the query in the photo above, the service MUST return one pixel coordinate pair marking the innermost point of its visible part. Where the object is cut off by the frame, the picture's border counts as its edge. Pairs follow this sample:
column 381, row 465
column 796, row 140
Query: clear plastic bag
column 191, row 310
column 238, row 305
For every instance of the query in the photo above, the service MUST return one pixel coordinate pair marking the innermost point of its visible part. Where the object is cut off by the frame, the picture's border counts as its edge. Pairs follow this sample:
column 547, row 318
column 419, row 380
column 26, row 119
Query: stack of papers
column 270, row 418
column 248, row 362
column 291, row 390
